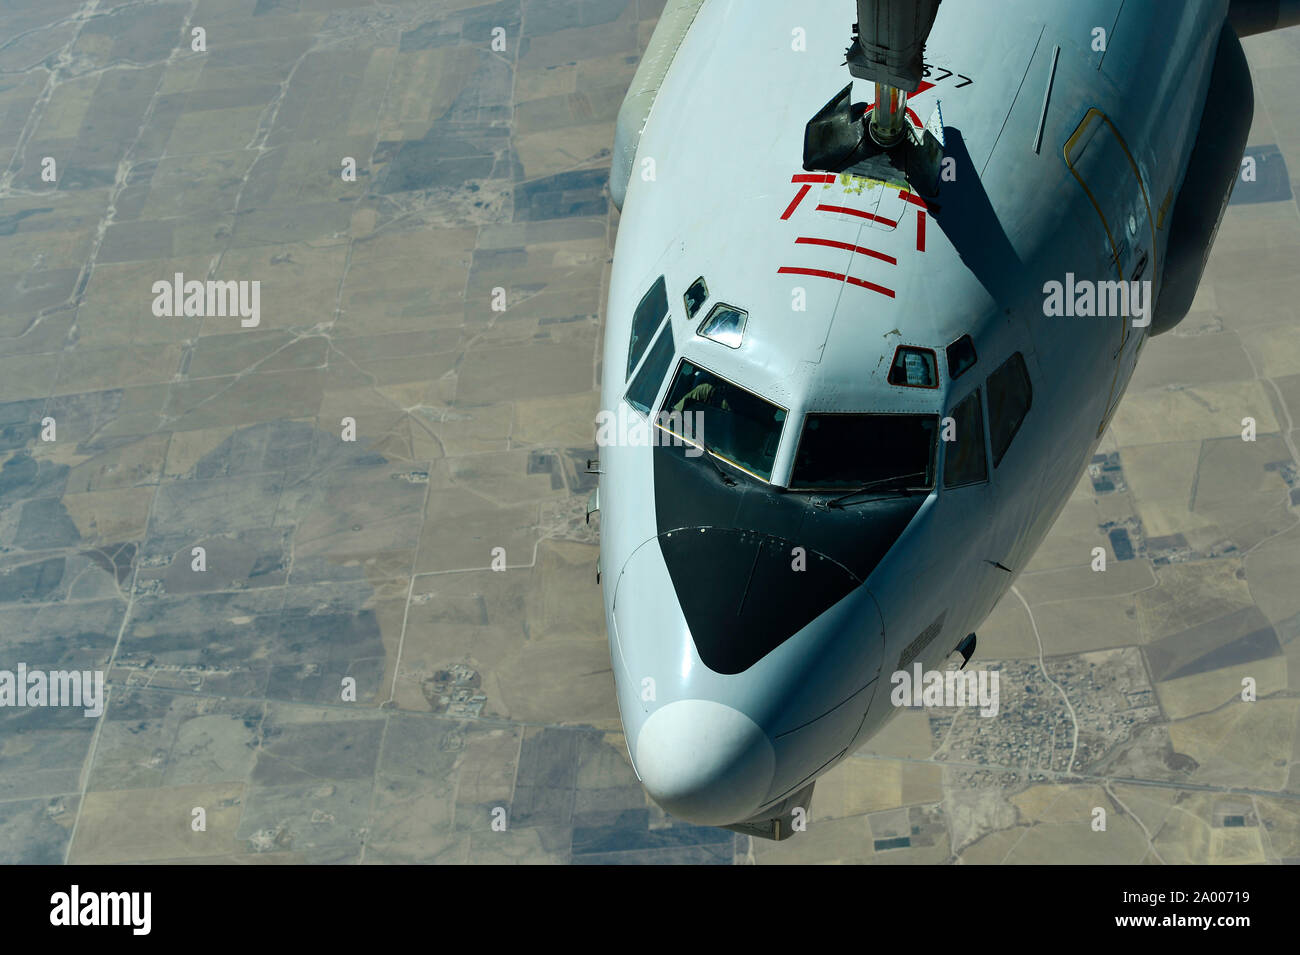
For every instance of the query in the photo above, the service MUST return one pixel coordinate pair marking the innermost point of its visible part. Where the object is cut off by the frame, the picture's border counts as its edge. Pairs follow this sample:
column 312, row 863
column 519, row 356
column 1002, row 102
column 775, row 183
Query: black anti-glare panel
column 712, row 570
column 742, row 594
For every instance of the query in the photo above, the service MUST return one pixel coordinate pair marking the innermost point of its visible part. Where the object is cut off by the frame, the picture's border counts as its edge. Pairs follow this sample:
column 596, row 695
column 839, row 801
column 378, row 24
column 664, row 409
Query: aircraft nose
column 705, row 762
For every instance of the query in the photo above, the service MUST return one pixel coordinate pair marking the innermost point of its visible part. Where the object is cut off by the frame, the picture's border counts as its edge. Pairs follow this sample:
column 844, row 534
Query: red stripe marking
column 794, row 203
column 847, row 247
column 868, row 285
column 836, row 276
column 859, row 213
column 813, row 177
column 920, row 230
column 913, row 199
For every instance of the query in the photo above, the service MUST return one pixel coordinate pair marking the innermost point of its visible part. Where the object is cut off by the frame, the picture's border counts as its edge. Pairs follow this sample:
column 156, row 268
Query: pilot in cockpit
column 707, row 394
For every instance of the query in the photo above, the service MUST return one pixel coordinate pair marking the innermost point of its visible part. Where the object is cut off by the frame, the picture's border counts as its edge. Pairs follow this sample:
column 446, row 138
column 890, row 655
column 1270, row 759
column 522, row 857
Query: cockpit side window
column 641, row 393
column 964, row 460
column 1010, row 396
column 732, row 423
column 652, row 310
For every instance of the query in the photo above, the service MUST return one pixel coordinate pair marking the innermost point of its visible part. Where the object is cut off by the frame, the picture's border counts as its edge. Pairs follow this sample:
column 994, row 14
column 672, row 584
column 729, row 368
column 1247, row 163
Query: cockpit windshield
column 887, row 452
column 733, row 424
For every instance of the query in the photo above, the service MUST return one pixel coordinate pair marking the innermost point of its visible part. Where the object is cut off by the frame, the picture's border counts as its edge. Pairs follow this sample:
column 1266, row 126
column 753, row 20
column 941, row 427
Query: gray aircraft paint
column 725, row 136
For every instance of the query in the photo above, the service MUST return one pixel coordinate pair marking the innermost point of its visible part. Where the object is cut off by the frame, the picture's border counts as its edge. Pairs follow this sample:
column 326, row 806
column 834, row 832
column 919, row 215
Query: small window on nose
column 961, row 357
column 696, row 296
column 725, row 325
column 914, row 368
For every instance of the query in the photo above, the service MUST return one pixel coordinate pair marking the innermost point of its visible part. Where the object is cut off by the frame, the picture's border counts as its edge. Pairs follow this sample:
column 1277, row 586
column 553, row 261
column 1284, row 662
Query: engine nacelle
column 1212, row 170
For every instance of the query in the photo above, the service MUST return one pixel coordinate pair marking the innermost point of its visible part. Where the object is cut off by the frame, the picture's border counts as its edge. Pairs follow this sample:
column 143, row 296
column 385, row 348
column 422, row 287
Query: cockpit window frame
column 710, row 316
column 636, row 350
column 665, row 334
column 934, row 364
column 1015, row 362
column 686, row 298
column 986, row 456
column 936, row 477
column 953, row 354
column 663, row 411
